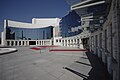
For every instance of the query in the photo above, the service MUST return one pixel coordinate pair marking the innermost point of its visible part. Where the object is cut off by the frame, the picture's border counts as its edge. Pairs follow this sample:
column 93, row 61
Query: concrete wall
column 105, row 41
column 41, row 23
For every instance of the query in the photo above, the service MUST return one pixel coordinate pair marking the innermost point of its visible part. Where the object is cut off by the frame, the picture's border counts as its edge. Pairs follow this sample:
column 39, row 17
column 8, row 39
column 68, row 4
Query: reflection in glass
column 28, row 33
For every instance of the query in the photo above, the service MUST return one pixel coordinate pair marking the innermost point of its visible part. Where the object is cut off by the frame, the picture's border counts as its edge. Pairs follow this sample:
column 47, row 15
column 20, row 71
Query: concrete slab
column 27, row 64
column 7, row 50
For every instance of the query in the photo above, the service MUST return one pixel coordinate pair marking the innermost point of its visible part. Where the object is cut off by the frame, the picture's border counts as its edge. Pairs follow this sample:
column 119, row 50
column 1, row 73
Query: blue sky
column 25, row 10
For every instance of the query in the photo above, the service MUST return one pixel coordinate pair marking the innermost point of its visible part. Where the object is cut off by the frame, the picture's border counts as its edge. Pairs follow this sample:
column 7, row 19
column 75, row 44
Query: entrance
column 85, row 42
column 32, row 42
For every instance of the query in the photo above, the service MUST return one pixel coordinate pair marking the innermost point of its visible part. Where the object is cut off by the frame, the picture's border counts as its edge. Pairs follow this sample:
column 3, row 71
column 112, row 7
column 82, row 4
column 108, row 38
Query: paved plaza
column 28, row 64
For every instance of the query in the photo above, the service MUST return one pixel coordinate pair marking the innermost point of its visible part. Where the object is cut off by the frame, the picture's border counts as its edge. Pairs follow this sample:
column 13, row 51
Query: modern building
column 70, row 24
column 39, row 32
column 96, row 26
column 102, row 18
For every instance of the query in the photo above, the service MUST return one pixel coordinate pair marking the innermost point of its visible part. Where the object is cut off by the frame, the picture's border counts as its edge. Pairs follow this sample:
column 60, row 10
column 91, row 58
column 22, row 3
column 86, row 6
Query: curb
column 7, row 51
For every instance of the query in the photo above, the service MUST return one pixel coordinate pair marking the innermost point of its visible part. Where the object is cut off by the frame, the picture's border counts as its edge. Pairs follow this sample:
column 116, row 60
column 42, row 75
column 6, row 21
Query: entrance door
column 32, row 42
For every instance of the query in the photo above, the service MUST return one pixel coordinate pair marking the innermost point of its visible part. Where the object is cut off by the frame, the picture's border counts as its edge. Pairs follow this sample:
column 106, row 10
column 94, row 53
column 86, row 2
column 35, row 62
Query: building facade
column 70, row 24
column 96, row 26
column 104, row 39
column 39, row 32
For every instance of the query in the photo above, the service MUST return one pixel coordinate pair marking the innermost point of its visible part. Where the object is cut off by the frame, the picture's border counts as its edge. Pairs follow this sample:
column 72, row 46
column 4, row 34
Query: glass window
column 29, row 34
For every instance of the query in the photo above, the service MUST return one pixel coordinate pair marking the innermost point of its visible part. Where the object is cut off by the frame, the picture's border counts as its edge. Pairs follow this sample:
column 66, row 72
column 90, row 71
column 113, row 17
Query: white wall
column 36, row 23
column 47, row 21
column 57, row 43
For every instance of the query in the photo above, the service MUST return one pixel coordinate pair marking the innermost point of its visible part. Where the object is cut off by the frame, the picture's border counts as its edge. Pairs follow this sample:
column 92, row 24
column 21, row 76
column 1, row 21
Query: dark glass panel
column 28, row 33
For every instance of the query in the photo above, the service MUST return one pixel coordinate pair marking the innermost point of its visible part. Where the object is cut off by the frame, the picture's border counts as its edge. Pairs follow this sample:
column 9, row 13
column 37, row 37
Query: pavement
column 28, row 64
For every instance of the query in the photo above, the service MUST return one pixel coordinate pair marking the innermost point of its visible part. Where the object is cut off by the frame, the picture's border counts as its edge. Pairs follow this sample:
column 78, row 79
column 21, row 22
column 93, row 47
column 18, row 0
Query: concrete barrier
column 7, row 50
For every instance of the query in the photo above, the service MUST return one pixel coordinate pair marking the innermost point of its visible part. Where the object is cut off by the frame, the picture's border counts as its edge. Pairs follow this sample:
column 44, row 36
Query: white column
column 3, row 38
column 36, row 43
column 21, row 43
column 44, row 42
column 80, row 44
column 3, row 34
column 10, row 43
column 73, row 42
column 18, row 43
column 27, row 43
column 24, row 43
column 76, row 43
column 13, row 43
column 67, row 42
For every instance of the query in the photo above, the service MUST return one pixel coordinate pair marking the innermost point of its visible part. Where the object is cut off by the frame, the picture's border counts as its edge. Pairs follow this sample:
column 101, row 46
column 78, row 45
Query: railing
column 27, row 42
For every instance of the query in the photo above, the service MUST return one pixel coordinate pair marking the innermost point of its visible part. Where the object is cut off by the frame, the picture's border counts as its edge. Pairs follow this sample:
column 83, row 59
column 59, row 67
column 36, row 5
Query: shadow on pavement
column 82, row 63
column 77, row 73
column 98, row 71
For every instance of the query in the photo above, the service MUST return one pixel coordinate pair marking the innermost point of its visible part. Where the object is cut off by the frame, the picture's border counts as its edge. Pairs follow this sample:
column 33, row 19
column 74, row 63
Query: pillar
column 21, row 43
column 14, row 43
column 3, row 34
column 17, row 43
column 10, row 43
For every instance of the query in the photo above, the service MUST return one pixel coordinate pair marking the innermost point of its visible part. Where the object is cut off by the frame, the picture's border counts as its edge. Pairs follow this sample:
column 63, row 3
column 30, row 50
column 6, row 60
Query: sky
column 25, row 10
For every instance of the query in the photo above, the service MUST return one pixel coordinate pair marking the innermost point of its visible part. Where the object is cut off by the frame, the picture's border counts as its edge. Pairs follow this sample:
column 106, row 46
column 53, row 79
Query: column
column 73, row 42
column 80, row 44
column 3, row 34
column 67, row 43
column 10, row 43
column 21, row 43
column 17, row 43
column 14, row 43
column 25, row 43
column 104, row 59
column 36, row 43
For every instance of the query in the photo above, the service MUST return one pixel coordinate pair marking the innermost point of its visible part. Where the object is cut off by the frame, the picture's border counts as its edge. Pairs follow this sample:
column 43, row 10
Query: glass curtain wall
column 70, row 25
column 28, row 33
